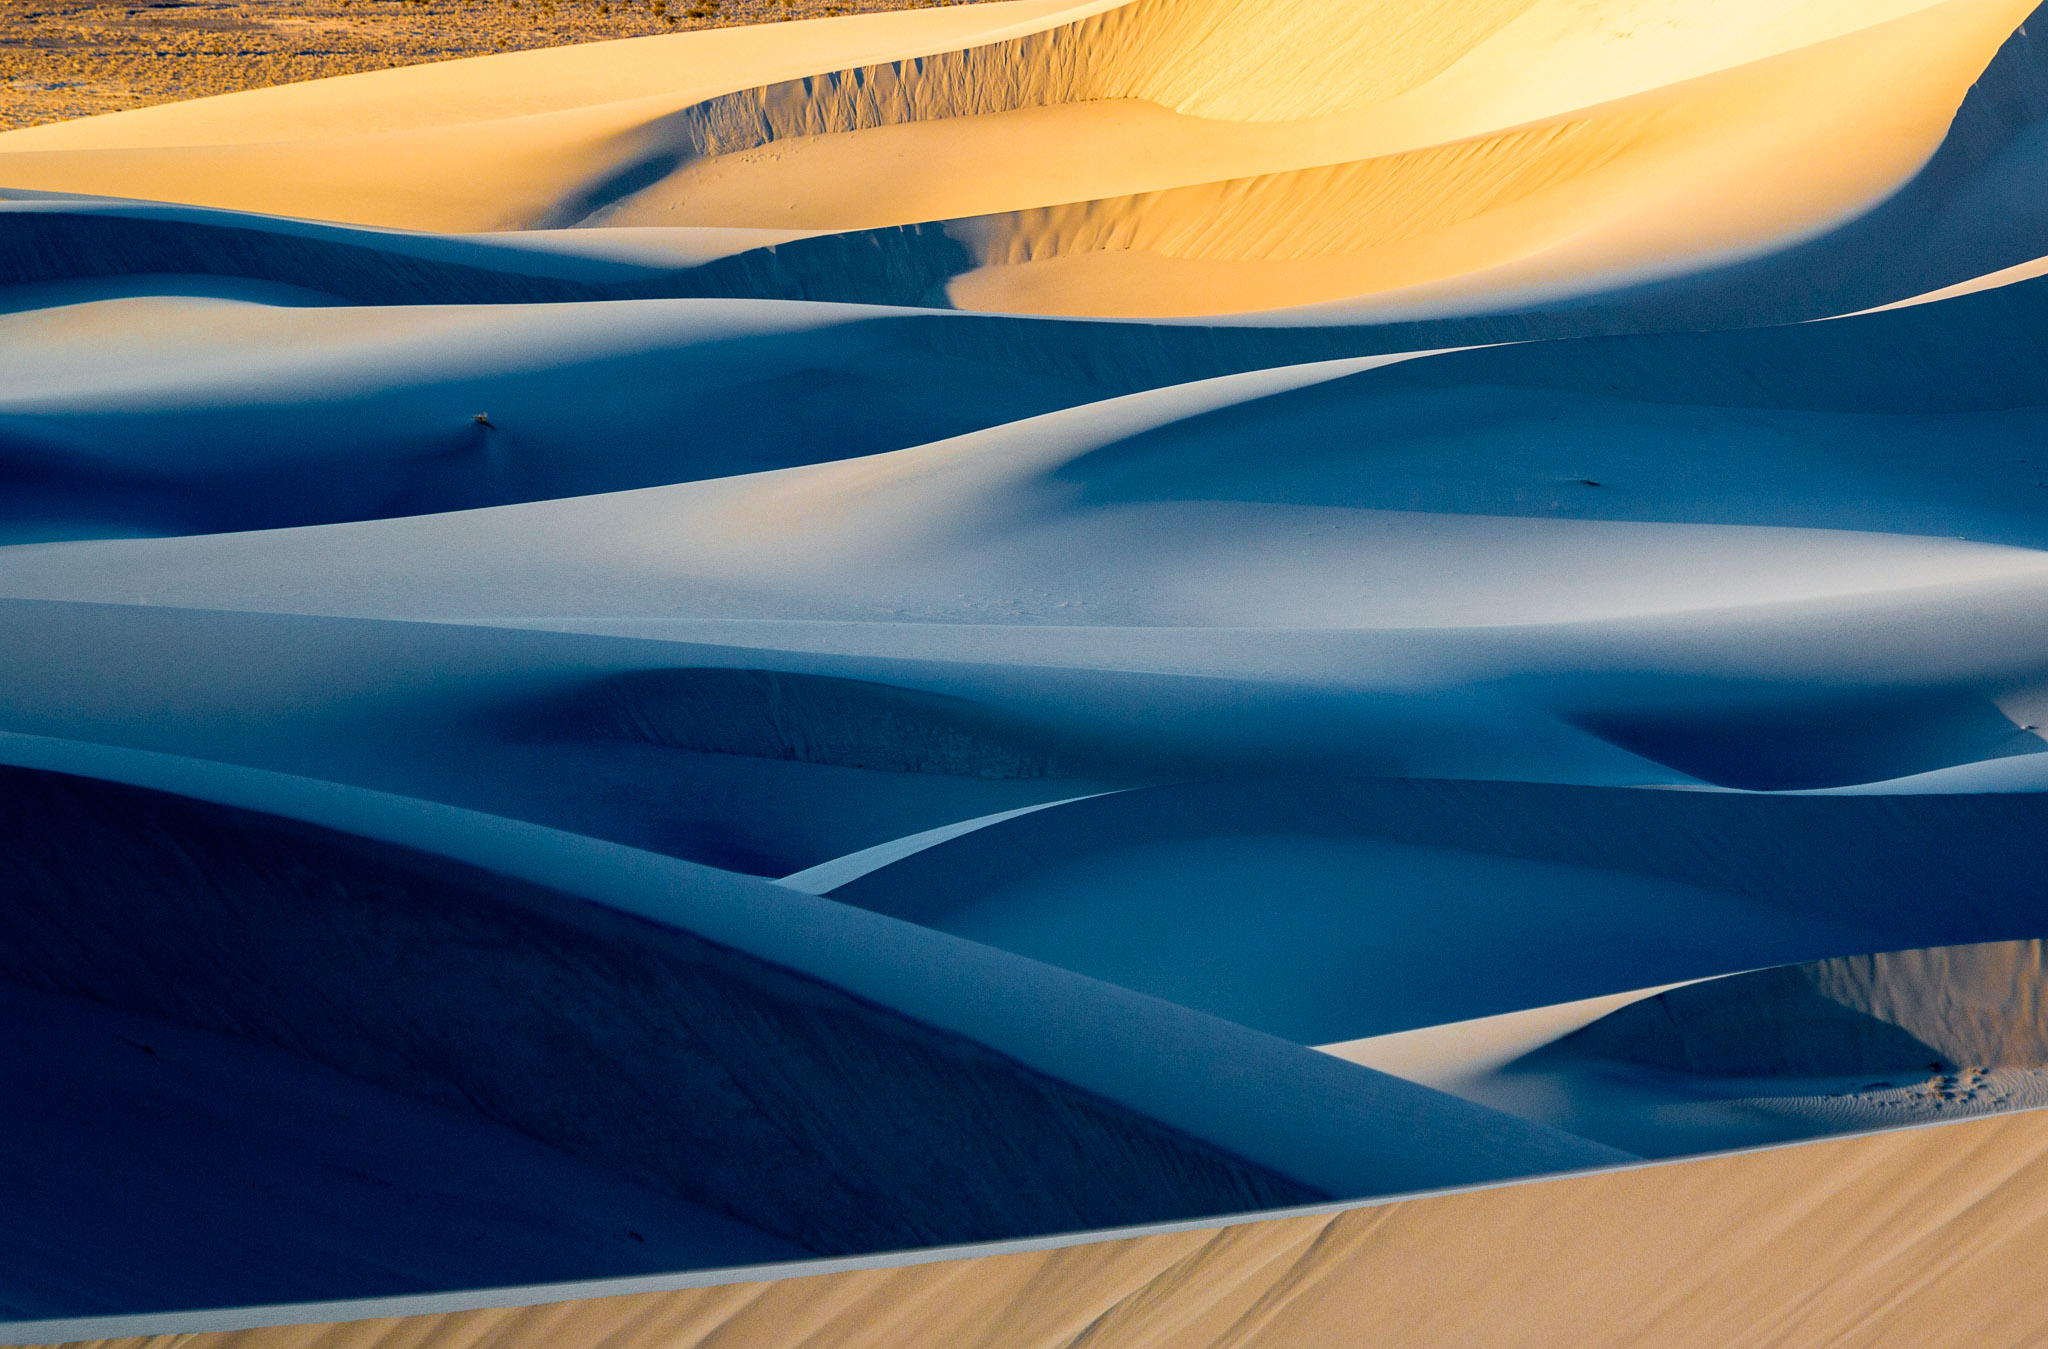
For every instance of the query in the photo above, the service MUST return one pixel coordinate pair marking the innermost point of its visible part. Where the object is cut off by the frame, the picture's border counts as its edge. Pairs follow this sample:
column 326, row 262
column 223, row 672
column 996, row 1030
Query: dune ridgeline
column 1140, row 673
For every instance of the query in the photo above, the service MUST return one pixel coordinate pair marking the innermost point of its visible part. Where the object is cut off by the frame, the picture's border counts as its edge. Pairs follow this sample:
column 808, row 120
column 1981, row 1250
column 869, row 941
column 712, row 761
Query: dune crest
column 1926, row 1223
column 1290, row 180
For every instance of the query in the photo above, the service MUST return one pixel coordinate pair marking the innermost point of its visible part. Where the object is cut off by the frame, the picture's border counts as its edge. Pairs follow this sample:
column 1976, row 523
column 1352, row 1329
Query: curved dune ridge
column 1141, row 672
column 1927, row 1224
column 1788, row 1052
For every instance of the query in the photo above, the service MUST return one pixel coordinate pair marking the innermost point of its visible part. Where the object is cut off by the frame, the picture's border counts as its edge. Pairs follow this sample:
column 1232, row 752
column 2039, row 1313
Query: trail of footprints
column 1971, row 1087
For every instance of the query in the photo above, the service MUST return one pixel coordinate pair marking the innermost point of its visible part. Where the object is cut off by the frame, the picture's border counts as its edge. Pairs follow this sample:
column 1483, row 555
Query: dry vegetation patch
column 74, row 58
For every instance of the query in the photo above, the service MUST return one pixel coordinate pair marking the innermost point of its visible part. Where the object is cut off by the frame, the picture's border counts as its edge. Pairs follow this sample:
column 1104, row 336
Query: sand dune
column 1125, row 159
column 1955, row 1005
column 483, row 143
column 1549, row 207
column 1329, row 910
column 222, row 860
column 947, row 530
column 137, row 1188
column 1924, row 1225
column 234, row 443
column 1796, row 1051
column 1114, row 627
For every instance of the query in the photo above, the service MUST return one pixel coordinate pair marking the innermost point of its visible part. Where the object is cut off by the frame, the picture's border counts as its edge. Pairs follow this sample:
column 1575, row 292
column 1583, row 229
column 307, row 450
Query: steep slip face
column 1859, row 1042
column 840, row 1082
column 1725, row 164
column 1978, row 1006
column 1966, row 214
column 649, row 1053
column 1517, row 144
column 150, row 1166
column 486, row 143
column 1115, row 207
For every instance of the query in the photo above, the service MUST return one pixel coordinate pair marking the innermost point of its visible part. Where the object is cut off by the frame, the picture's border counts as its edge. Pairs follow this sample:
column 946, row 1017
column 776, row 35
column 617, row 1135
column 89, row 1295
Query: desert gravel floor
column 74, row 58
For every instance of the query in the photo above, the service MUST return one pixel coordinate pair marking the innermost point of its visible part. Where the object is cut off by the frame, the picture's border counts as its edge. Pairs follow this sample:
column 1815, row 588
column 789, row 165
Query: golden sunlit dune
column 1147, row 159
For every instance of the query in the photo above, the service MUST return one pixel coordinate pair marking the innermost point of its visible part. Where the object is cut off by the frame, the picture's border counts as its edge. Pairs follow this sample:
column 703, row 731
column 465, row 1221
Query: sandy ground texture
column 1910, row 1235
column 67, row 59
column 1012, row 621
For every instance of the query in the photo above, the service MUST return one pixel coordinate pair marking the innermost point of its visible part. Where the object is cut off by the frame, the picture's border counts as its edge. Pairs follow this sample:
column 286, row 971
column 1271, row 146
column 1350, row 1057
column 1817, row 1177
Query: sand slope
column 713, row 1040
column 1126, row 159
column 154, row 1167
column 1796, row 1051
column 1848, row 1242
column 1974, row 1005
